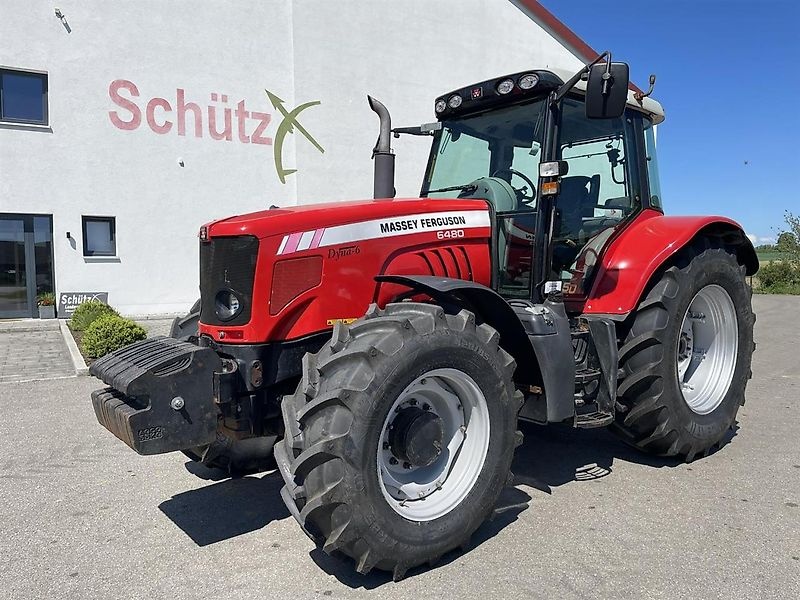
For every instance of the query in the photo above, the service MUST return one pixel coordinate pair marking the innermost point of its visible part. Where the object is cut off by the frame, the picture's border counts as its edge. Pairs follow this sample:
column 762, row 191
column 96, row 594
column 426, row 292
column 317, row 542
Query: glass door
column 15, row 300
column 26, row 263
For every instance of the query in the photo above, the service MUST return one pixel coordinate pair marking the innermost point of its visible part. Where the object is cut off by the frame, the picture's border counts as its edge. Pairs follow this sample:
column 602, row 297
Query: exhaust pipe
column 383, row 182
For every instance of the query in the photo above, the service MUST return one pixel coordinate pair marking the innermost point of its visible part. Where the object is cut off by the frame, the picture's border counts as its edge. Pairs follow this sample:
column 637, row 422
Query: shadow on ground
column 549, row 457
column 228, row 508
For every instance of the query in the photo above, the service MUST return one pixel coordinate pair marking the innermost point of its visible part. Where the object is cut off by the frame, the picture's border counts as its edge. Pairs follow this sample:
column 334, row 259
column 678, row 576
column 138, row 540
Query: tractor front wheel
column 400, row 436
column 686, row 359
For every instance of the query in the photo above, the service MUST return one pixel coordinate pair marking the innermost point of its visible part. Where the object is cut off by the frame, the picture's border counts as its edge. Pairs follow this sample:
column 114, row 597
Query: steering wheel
column 521, row 196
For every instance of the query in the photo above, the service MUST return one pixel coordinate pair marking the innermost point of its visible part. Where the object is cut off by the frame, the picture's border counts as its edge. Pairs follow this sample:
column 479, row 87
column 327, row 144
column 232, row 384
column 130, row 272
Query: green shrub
column 780, row 277
column 779, row 272
column 86, row 313
column 108, row 333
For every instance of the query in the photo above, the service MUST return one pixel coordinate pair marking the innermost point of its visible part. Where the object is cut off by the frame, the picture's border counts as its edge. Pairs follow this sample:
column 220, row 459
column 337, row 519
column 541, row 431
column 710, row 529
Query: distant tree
column 786, row 241
column 789, row 240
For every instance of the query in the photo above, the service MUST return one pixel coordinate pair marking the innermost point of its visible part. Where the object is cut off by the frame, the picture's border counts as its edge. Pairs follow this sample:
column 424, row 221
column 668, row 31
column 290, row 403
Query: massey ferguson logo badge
column 423, row 223
column 222, row 121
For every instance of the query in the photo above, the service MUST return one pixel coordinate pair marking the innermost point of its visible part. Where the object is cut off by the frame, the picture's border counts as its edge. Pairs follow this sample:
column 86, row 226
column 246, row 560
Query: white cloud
column 759, row 240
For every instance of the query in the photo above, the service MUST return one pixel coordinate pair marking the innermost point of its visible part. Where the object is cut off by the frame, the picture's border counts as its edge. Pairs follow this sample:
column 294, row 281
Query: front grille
column 227, row 263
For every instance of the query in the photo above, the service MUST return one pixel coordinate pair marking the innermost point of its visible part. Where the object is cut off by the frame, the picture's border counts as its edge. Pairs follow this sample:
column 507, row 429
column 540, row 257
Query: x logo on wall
column 288, row 125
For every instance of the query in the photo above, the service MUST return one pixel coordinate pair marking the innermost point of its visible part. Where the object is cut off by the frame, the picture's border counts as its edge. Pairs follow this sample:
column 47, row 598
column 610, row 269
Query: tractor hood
column 287, row 220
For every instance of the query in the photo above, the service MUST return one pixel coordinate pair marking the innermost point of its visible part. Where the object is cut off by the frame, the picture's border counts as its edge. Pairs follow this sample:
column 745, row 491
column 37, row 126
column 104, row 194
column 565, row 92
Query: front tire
column 687, row 358
column 363, row 426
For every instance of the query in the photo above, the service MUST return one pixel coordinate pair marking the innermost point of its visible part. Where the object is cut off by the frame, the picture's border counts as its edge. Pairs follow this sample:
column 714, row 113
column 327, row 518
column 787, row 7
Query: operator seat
column 577, row 199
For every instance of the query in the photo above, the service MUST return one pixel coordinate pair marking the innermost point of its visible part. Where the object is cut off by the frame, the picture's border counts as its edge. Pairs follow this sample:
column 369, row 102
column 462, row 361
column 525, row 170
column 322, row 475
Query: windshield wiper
column 471, row 187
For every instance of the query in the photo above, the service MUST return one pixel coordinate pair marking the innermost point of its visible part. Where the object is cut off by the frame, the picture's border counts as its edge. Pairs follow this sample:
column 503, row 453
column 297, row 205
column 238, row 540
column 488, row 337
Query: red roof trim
column 561, row 32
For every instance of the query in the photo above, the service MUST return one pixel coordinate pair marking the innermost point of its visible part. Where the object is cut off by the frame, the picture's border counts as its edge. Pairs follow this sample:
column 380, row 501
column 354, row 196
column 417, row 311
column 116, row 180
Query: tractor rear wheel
column 400, row 436
column 686, row 359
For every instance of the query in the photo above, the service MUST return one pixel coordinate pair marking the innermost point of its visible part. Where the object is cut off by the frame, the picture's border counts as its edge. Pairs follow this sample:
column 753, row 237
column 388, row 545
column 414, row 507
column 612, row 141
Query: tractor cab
column 491, row 142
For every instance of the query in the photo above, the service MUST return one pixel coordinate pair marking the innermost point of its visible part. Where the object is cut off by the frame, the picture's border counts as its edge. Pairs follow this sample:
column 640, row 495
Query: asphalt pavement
column 84, row 517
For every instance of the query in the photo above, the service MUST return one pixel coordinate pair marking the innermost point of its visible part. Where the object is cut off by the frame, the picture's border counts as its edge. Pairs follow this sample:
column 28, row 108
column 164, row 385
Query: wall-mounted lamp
column 63, row 18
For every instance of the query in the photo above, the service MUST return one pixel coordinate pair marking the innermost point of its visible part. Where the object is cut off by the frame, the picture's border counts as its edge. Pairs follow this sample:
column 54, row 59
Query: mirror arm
column 639, row 96
column 562, row 91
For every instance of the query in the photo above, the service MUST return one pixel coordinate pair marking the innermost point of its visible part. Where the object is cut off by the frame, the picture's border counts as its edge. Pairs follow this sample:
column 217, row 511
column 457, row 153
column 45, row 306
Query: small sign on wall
column 69, row 301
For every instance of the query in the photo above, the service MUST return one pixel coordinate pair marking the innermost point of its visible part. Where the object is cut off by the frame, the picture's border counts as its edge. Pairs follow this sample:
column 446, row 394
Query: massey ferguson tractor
column 381, row 353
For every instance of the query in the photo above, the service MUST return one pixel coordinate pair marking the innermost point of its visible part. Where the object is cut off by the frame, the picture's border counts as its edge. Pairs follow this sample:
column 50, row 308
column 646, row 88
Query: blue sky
column 729, row 80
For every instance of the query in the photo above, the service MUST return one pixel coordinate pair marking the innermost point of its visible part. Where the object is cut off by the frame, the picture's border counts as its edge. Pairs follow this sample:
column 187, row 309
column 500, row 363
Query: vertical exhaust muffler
column 383, row 182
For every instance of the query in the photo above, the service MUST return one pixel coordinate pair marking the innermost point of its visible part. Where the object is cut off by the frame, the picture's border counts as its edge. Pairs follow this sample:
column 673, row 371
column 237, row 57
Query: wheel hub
column 433, row 443
column 415, row 436
column 707, row 348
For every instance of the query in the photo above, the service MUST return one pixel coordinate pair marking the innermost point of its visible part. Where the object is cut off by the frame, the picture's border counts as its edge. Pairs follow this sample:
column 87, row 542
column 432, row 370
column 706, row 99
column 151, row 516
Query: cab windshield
column 504, row 144
column 495, row 156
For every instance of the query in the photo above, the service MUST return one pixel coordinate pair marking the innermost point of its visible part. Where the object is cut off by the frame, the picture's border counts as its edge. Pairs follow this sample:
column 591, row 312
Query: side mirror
column 607, row 90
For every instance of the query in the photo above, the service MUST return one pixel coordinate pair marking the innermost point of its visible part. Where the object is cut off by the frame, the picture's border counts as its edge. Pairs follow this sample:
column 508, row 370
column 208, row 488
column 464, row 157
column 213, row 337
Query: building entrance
column 26, row 263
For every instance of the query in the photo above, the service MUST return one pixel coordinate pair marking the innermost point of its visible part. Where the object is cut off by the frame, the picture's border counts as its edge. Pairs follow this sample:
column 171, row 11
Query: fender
column 542, row 347
column 634, row 256
column 478, row 299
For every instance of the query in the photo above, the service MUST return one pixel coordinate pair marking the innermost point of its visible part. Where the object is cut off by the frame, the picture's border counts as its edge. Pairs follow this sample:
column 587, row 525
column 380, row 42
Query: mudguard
column 536, row 335
column 634, row 256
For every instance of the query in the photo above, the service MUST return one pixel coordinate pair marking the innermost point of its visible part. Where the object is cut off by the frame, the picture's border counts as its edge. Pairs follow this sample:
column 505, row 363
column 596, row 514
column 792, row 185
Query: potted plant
column 47, row 305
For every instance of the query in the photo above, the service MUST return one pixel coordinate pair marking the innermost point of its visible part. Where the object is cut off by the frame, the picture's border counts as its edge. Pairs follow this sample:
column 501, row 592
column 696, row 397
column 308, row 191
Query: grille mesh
column 227, row 263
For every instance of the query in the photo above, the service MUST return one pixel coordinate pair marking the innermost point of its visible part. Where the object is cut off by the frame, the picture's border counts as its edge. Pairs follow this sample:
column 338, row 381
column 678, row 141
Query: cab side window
column 600, row 189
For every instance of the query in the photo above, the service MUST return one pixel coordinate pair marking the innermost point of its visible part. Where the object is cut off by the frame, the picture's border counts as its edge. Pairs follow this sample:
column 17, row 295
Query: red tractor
column 382, row 352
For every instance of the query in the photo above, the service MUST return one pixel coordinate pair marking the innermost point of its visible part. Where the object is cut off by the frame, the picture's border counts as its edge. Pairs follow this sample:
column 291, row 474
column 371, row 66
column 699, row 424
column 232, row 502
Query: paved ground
column 155, row 326
column 33, row 350
column 84, row 517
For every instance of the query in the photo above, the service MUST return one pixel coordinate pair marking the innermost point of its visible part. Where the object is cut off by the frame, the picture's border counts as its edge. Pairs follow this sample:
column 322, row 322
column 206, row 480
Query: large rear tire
column 363, row 426
column 687, row 357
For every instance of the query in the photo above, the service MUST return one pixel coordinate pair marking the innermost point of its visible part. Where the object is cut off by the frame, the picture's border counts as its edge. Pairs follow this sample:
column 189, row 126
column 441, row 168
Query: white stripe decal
column 283, row 244
column 394, row 226
column 305, row 240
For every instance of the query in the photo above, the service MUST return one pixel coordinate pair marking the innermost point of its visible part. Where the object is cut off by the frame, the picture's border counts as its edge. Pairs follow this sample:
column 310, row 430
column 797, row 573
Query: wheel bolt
column 406, row 465
column 413, row 402
column 392, row 461
column 385, row 445
column 426, row 406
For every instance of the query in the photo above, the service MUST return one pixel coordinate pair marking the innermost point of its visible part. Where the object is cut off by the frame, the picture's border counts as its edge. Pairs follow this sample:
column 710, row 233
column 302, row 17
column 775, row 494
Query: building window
column 99, row 236
column 23, row 97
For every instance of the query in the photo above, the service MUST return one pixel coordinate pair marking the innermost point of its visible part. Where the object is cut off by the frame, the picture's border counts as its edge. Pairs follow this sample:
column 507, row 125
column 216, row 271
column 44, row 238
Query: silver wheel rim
column 429, row 492
column 707, row 349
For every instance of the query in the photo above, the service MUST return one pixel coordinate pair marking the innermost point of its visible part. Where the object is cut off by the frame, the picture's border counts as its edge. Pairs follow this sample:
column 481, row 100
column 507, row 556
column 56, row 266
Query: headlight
column 440, row 106
column 455, row 101
column 505, row 86
column 526, row 82
column 227, row 305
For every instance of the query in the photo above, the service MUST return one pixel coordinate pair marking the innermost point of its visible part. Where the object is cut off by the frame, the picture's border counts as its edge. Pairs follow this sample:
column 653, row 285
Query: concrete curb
column 74, row 353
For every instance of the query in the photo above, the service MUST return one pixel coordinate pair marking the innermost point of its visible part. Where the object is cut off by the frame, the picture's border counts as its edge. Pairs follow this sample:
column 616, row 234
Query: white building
column 126, row 125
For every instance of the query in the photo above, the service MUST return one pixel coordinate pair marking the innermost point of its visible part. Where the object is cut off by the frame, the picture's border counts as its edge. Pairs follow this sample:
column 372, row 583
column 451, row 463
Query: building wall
column 161, row 186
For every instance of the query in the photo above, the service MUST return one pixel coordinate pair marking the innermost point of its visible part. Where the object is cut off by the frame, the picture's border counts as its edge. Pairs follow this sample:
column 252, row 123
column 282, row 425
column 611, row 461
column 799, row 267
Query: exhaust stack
column 383, row 185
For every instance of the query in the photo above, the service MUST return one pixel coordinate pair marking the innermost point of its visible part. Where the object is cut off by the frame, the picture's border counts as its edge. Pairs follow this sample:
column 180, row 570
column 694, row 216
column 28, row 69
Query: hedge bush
column 108, row 333
column 86, row 313
column 780, row 277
